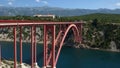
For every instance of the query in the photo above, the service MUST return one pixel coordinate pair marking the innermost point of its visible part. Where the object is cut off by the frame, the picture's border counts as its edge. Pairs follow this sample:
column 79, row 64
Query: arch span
column 76, row 35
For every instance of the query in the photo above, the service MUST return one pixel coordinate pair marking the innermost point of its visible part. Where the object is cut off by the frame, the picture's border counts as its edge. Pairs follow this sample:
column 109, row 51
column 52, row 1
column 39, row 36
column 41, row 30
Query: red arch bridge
column 57, row 38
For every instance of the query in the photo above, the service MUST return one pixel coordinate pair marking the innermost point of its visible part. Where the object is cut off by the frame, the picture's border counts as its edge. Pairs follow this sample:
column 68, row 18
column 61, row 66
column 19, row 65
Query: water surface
column 69, row 57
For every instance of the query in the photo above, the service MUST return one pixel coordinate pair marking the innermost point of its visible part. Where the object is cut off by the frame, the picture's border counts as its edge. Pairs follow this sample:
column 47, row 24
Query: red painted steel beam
column 35, row 50
column 75, row 35
column 58, row 37
column 49, row 59
column 32, row 47
column 63, row 38
column 30, row 23
column 14, row 23
column 56, row 40
column 20, row 44
column 81, row 32
column 45, row 46
column 0, row 54
column 53, row 47
column 15, row 48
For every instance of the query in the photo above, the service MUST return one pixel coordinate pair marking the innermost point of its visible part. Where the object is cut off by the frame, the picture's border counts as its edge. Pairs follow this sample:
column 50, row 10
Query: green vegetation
column 100, row 35
column 102, row 18
column 99, row 29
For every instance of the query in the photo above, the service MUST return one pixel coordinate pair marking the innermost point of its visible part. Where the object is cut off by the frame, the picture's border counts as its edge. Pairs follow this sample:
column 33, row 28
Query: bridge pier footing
column 21, row 66
column 44, row 67
column 36, row 65
column 48, row 67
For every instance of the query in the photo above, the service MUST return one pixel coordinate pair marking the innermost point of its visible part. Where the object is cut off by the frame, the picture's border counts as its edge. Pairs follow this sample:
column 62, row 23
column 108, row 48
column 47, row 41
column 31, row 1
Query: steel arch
column 76, row 34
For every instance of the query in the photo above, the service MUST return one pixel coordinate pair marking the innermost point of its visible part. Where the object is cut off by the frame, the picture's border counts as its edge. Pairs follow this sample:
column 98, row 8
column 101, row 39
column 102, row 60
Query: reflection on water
column 69, row 57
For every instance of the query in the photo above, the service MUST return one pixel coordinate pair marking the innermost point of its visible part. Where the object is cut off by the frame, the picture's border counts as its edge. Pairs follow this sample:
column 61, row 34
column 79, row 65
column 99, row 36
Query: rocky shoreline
column 10, row 64
column 94, row 36
column 83, row 46
column 10, row 40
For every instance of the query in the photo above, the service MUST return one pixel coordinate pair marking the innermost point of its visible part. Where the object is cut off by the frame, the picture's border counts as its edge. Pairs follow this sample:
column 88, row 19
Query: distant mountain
column 30, row 11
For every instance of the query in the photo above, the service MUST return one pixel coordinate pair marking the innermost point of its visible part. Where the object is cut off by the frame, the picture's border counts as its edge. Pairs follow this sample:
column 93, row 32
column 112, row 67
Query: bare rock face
column 113, row 46
column 10, row 64
column 78, row 45
column 4, row 65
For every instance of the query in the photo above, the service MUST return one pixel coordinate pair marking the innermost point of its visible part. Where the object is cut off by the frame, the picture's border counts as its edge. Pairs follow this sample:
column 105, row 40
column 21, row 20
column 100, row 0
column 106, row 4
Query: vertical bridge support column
column 35, row 49
column 20, row 44
column 80, row 32
column 21, row 65
column 49, row 57
column 0, row 55
column 53, row 47
column 45, row 46
column 32, row 47
column 15, row 48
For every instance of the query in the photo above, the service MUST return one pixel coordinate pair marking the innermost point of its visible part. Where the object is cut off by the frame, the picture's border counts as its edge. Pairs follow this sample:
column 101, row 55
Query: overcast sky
column 84, row 4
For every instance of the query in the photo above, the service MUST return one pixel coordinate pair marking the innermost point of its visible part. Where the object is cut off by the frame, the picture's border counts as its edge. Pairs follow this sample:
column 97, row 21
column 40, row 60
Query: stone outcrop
column 10, row 64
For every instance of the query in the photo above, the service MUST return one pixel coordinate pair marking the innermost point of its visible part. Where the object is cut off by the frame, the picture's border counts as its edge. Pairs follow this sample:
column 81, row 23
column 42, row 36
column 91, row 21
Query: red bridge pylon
column 52, row 52
column 54, row 37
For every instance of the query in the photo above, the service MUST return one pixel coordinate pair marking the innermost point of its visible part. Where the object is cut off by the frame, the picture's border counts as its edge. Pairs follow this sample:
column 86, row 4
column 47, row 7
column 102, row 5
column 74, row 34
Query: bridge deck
column 50, row 55
column 28, row 22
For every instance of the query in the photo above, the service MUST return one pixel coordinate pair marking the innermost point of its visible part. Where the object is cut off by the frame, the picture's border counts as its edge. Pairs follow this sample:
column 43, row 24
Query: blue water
column 69, row 57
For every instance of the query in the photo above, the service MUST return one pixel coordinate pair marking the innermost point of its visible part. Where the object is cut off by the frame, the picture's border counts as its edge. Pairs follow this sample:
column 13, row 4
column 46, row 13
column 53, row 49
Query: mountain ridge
column 30, row 11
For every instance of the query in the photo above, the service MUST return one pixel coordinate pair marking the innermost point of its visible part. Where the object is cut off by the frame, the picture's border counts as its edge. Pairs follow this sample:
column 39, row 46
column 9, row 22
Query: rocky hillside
column 6, row 34
column 100, row 30
column 101, row 35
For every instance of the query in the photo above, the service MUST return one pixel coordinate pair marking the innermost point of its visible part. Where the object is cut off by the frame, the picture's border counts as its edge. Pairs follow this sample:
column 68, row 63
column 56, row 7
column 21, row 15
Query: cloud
column 118, row 4
column 11, row 0
column 41, row 1
column 37, row 0
column 10, row 3
column 45, row 2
